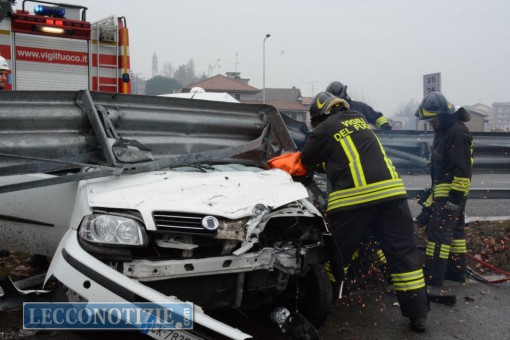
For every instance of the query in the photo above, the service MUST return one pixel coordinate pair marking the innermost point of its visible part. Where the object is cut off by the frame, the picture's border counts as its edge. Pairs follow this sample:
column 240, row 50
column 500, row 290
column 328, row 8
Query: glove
column 304, row 179
column 424, row 196
column 385, row 126
column 423, row 218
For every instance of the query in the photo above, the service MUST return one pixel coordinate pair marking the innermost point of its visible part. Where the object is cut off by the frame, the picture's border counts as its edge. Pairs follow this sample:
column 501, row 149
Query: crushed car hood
column 231, row 194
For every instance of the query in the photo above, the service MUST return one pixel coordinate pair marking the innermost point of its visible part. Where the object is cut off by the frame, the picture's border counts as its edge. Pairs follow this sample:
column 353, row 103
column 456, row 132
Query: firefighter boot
column 418, row 324
column 456, row 268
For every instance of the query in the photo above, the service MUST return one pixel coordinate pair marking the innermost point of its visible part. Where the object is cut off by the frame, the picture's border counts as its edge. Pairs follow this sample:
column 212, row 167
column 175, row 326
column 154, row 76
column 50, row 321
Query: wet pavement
column 481, row 312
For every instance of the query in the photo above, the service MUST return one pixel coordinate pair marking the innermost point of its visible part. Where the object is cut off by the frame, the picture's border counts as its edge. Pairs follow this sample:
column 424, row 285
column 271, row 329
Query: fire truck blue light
column 56, row 12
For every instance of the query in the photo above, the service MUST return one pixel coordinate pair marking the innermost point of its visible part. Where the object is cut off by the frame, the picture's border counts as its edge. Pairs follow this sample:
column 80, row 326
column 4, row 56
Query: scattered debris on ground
column 489, row 242
column 15, row 266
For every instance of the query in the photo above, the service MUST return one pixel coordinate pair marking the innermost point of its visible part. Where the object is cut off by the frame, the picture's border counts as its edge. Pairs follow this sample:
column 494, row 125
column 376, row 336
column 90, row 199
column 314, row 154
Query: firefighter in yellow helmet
column 452, row 158
column 367, row 194
column 4, row 68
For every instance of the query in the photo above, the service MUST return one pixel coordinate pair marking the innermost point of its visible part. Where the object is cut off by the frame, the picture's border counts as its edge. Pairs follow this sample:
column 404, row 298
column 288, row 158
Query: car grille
column 218, row 291
column 211, row 291
column 180, row 223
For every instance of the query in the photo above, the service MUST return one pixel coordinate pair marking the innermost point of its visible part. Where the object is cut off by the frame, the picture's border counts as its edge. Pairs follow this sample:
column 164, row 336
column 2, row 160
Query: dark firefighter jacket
column 452, row 158
column 375, row 118
column 354, row 160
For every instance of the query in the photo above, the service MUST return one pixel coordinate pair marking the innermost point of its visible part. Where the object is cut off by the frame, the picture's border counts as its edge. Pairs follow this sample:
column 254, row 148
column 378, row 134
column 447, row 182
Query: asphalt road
column 481, row 312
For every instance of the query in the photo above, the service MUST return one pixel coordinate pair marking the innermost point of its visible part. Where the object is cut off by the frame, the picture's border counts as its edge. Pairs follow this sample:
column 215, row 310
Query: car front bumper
column 94, row 281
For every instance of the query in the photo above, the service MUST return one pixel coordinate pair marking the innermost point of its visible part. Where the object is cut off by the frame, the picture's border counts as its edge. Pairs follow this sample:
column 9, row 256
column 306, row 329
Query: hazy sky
column 380, row 48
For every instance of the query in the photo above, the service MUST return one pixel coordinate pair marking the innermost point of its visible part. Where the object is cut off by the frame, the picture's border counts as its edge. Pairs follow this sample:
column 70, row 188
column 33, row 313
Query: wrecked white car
column 150, row 199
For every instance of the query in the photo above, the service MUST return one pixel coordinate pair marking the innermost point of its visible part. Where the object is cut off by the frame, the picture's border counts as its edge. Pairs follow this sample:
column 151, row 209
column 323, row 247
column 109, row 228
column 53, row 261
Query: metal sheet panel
column 50, row 63
column 49, row 124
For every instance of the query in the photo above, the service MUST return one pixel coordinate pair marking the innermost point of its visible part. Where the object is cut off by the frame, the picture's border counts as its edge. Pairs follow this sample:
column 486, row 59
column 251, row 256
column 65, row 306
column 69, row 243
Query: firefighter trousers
column 391, row 223
column 368, row 255
column 446, row 245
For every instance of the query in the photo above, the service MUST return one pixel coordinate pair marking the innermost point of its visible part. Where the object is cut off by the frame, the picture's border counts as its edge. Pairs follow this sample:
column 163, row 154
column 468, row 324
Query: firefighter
column 375, row 118
column 367, row 194
column 4, row 68
column 370, row 249
column 452, row 158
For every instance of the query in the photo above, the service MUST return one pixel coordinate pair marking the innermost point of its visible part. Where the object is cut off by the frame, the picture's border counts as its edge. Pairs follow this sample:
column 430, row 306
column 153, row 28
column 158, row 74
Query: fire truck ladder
column 105, row 39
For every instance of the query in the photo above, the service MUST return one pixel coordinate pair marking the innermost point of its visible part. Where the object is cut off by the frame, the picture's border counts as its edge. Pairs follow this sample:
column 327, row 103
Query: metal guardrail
column 410, row 150
column 62, row 132
column 474, row 193
column 491, row 150
column 61, row 126
column 410, row 153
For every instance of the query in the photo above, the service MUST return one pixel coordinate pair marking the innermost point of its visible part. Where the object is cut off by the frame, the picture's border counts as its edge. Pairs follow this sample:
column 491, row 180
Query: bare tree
column 185, row 74
column 168, row 70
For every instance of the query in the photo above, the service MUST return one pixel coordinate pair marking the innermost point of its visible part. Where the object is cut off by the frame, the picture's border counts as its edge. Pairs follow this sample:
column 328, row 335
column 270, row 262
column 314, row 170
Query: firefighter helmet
column 322, row 104
column 433, row 105
column 338, row 89
column 4, row 66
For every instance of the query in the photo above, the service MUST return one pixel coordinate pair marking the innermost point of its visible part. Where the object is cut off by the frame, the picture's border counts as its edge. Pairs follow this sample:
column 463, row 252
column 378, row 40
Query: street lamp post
column 264, row 69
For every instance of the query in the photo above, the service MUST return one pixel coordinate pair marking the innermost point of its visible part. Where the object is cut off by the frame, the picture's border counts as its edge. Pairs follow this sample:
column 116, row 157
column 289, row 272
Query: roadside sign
column 431, row 83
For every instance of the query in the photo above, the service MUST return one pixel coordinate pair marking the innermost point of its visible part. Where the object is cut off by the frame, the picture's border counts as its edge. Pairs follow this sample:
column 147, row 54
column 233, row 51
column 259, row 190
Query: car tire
column 315, row 295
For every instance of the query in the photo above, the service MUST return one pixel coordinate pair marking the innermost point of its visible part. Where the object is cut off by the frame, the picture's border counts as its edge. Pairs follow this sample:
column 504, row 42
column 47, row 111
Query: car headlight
column 111, row 229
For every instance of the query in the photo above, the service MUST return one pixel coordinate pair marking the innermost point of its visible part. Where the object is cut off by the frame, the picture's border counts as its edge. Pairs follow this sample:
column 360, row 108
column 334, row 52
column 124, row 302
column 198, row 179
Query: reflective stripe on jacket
column 356, row 163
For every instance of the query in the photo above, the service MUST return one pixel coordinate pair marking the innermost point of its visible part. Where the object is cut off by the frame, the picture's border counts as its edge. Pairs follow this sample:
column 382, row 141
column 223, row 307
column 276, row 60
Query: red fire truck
column 56, row 48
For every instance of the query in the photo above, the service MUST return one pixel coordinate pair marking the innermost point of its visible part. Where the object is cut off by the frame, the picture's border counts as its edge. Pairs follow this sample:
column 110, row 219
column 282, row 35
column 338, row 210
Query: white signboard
column 431, row 83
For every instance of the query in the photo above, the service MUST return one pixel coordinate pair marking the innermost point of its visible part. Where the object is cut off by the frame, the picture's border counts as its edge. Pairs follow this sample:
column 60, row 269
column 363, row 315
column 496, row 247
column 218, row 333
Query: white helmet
column 4, row 66
column 197, row 90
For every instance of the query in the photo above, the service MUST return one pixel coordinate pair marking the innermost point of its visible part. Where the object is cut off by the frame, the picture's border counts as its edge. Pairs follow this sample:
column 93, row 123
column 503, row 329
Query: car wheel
column 315, row 296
